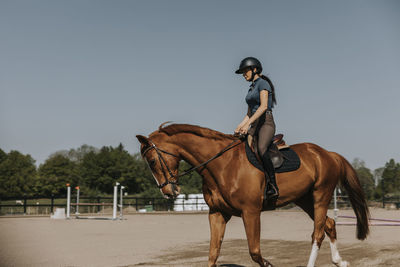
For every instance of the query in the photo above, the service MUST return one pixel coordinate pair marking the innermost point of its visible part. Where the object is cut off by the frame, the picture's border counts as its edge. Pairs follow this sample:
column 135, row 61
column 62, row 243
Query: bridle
column 161, row 159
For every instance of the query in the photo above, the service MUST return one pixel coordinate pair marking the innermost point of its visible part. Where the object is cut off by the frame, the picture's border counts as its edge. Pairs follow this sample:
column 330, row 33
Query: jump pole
column 389, row 222
column 68, row 200
column 381, row 222
column 77, row 200
column 121, row 205
column 114, row 217
column 335, row 209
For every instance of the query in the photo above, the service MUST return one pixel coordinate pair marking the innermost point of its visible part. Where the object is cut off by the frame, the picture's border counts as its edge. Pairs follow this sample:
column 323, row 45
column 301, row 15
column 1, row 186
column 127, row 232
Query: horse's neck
column 196, row 150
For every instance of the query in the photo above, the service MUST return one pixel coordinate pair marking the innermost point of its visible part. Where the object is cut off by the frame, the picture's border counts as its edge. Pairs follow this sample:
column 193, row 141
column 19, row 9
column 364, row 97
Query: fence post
column 98, row 207
column 136, row 204
column 24, row 205
column 77, row 201
column 52, row 204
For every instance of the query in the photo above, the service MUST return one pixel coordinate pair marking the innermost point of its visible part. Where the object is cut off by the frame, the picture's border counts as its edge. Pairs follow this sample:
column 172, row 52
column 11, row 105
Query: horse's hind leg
column 330, row 230
column 307, row 204
column 320, row 210
column 217, row 228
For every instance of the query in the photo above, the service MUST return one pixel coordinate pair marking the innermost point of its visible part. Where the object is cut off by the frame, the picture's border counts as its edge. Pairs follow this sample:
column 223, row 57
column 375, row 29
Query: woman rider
column 260, row 99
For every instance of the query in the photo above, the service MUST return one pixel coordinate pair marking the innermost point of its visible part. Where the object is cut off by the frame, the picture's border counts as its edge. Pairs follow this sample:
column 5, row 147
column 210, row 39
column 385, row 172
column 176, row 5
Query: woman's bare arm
column 262, row 108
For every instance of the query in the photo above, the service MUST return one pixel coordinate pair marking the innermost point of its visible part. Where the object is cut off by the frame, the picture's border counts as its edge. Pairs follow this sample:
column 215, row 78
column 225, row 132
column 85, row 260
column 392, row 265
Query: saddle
column 284, row 159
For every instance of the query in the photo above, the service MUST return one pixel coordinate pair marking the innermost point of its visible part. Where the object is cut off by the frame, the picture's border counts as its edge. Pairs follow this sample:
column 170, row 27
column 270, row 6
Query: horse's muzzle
column 171, row 196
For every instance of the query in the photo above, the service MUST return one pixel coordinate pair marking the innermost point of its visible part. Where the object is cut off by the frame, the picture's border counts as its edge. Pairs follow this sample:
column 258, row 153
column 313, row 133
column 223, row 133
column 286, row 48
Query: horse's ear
column 143, row 140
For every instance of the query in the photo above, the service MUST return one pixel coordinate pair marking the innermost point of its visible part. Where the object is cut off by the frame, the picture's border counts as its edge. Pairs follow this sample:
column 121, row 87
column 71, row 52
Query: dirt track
column 182, row 240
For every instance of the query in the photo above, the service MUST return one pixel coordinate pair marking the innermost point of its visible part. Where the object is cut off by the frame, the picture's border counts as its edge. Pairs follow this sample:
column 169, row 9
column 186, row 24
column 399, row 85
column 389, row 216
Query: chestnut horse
column 232, row 186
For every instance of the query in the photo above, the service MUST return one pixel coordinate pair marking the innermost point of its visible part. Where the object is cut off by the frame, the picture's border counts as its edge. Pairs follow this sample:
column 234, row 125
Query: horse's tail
column 350, row 182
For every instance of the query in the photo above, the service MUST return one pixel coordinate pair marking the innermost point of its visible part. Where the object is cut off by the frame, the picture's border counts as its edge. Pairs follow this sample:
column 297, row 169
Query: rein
column 228, row 147
column 162, row 161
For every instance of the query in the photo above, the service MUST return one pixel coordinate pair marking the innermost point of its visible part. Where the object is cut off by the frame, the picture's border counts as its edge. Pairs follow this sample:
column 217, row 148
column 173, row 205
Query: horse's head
column 163, row 160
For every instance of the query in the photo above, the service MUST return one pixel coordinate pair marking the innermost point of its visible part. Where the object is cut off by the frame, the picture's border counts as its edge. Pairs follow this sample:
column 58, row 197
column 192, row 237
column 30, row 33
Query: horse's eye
column 151, row 163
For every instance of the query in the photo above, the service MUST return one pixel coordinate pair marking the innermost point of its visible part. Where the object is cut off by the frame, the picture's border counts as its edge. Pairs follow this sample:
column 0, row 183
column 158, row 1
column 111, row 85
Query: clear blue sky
column 100, row 72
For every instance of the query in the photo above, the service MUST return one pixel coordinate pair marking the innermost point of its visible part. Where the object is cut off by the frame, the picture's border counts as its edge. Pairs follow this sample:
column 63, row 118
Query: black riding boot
column 272, row 191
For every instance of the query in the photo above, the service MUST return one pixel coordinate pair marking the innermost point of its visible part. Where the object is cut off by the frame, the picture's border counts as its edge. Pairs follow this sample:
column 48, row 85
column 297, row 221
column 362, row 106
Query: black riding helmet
column 249, row 62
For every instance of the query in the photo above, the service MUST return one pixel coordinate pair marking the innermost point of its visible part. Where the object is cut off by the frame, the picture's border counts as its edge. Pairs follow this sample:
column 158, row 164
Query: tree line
column 97, row 170
column 94, row 170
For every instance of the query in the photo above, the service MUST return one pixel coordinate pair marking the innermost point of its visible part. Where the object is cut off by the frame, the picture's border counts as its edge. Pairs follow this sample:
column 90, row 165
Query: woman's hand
column 244, row 129
column 237, row 130
column 244, row 121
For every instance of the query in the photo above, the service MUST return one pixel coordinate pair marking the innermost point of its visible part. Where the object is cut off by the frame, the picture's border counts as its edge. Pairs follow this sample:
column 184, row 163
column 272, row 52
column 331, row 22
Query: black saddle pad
column 291, row 160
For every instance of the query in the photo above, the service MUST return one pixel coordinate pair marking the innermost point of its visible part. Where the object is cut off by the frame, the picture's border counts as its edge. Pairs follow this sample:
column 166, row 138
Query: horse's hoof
column 342, row 263
column 267, row 263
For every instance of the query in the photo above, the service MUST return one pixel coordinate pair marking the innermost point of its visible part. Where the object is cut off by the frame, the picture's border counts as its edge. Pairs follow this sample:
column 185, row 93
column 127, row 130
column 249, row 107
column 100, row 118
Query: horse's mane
column 193, row 129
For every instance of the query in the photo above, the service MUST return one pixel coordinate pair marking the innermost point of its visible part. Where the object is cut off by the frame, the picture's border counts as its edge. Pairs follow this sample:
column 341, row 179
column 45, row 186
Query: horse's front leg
column 217, row 229
column 251, row 220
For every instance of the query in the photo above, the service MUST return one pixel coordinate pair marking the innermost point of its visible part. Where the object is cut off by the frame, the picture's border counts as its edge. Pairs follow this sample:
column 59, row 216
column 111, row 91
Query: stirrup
column 272, row 192
column 269, row 201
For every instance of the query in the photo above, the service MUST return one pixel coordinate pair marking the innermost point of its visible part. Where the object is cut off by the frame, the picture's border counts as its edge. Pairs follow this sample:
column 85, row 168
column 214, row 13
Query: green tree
column 378, row 175
column 76, row 155
column 3, row 156
column 17, row 174
column 143, row 181
column 100, row 171
column 365, row 176
column 391, row 178
column 54, row 174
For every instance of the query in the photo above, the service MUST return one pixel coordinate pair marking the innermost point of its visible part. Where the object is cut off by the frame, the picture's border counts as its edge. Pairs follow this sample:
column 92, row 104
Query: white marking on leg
column 313, row 255
column 335, row 253
column 336, row 259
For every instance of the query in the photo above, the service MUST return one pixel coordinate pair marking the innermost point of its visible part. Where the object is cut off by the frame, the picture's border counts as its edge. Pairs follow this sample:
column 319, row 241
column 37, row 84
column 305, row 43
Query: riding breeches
column 262, row 131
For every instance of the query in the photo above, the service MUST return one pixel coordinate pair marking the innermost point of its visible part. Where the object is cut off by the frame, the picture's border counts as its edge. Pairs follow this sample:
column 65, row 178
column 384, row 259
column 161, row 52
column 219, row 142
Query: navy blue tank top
column 253, row 96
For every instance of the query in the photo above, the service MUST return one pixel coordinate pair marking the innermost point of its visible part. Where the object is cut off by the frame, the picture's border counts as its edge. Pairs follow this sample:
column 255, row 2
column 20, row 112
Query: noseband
column 161, row 159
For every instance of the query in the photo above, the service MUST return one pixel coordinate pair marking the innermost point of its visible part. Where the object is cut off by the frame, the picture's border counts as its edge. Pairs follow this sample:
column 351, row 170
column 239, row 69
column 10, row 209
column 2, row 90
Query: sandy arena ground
column 182, row 240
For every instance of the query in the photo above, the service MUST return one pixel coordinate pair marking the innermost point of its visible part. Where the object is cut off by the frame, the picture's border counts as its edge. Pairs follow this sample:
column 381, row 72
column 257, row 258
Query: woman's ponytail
column 272, row 88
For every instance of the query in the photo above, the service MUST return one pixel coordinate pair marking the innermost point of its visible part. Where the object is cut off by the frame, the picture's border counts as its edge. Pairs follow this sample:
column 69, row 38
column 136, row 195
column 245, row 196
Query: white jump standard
column 77, row 204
